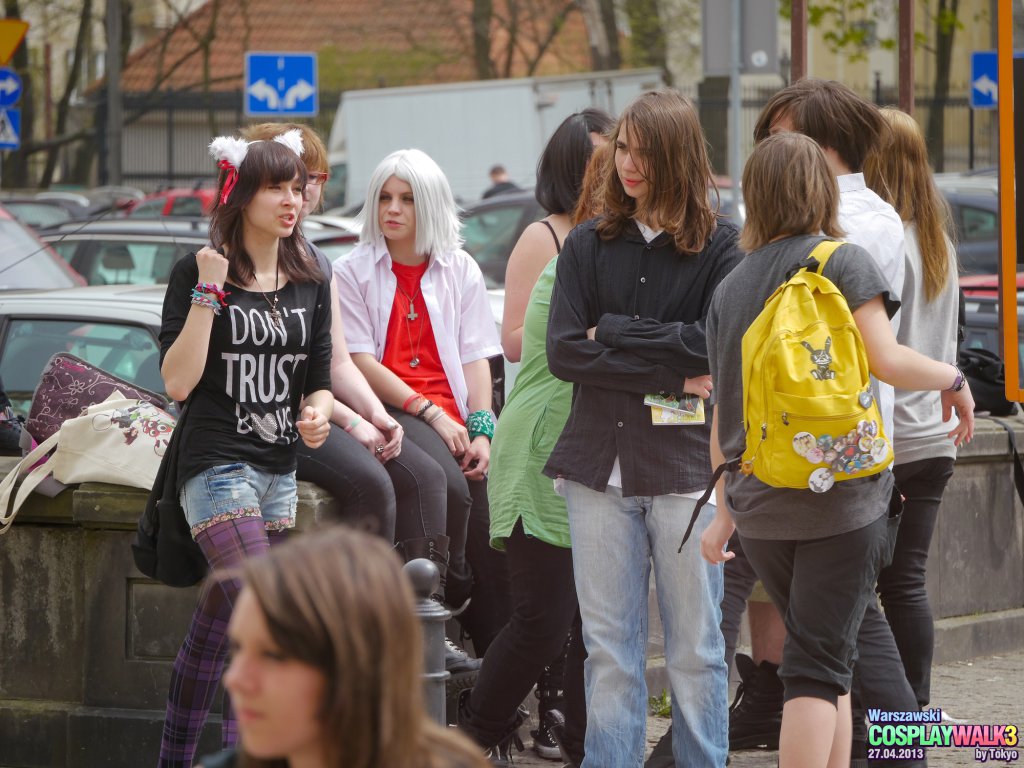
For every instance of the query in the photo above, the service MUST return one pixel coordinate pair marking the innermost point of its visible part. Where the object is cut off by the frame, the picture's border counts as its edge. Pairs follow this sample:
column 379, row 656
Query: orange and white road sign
column 12, row 32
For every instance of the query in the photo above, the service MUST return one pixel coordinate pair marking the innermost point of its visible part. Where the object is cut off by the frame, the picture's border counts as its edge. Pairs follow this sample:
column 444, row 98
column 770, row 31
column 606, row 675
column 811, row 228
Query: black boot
column 462, row 667
column 551, row 699
column 500, row 751
column 755, row 717
column 434, row 549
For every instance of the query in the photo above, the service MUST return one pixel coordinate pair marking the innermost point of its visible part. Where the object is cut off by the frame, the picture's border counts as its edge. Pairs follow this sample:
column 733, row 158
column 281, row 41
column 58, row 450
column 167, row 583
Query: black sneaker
column 545, row 743
column 755, row 717
column 499, row 754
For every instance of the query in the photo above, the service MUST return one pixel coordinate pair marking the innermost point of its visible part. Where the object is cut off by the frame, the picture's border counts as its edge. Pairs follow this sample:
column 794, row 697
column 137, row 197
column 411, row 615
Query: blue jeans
column 614, row 542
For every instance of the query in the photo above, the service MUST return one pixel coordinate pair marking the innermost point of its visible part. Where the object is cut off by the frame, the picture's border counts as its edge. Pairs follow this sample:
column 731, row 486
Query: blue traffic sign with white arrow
column 984, row 80
column 10, row 87
column 280, row 84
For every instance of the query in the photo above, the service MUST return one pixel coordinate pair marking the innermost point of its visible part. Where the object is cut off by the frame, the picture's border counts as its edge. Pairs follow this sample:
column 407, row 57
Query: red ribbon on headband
column 229, row 181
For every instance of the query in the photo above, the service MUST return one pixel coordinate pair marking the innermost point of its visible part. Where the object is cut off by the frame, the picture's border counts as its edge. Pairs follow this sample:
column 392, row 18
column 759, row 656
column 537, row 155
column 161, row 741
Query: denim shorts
column 230, row 491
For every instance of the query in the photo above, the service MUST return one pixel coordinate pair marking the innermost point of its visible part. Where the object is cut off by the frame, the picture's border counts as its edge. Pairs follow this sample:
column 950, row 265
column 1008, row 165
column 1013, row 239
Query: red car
column 175, row 202
column 986, row 285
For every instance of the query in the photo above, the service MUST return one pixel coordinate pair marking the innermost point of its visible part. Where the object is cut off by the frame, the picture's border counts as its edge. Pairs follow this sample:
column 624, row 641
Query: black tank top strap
column 547, row 224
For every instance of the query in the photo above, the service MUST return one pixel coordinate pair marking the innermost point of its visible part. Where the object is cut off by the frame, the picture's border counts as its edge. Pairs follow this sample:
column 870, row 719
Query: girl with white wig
column 419, row 326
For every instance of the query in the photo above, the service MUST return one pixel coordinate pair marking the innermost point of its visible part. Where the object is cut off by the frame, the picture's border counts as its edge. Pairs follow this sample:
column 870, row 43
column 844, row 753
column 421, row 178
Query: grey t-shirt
column 761, row 511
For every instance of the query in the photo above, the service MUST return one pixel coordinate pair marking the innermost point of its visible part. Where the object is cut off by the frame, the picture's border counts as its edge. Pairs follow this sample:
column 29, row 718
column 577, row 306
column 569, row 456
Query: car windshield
column 128, row 351
column 27, row 263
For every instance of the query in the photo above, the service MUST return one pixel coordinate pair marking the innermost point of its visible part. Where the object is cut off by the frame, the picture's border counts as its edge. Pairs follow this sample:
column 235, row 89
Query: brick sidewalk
column 984, row 691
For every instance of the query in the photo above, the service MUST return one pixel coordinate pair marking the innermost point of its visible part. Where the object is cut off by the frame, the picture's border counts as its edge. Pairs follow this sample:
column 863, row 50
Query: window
column 978, row 224
column 490, row 236
column 148, row 209
column 128, row 351
column 187, row 206
column 26, row 262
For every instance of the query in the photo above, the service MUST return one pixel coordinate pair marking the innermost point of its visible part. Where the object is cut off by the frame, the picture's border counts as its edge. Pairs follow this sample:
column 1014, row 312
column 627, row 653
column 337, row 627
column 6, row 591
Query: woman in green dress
column 528, row 519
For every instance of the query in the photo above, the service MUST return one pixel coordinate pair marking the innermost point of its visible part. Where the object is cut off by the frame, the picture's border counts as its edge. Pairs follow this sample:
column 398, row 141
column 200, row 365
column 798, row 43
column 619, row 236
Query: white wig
column 438, row 228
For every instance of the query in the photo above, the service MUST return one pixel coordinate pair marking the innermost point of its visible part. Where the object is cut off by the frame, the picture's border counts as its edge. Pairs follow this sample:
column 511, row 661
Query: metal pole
column 426, row 579
column 906, row 35
column 115, row 116
column 970, row 143
column 734, row 99
column 798, row 40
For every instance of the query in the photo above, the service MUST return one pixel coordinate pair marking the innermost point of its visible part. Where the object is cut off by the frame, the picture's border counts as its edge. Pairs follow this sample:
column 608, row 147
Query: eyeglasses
column 316, row 178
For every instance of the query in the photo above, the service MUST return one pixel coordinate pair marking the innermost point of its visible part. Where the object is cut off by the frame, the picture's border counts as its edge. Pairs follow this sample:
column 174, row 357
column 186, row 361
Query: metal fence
column 165, row 136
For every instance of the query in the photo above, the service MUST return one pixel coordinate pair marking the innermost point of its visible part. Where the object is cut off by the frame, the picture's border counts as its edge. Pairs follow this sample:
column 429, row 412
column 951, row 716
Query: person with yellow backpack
column 811, row 496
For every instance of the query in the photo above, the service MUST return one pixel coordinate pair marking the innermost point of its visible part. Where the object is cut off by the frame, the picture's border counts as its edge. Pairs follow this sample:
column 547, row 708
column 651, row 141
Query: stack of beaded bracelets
column 424, row 406
column 480, row 423
column 209, row 295
column 960, row 381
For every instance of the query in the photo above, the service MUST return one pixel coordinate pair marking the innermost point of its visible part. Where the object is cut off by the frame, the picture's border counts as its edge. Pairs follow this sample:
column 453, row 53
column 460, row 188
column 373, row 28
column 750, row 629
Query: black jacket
column 648, row 302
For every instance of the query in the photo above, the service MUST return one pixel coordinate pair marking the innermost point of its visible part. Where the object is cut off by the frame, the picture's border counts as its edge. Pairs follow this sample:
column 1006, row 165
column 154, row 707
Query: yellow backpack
column 811, row 419
column 809, row 413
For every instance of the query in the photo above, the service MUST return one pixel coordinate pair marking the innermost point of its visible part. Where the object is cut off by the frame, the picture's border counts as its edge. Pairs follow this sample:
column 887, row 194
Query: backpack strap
column 821, row 253
column 729, row 466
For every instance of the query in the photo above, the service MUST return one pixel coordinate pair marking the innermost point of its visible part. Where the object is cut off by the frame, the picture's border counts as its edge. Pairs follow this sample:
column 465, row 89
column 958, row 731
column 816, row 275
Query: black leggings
column 544, row 596
column 402, row 499
column 474, row 568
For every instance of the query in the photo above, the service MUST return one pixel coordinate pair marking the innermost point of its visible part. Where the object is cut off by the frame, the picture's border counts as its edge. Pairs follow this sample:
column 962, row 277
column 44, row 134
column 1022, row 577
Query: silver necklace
column 275, row 313
column 409, row 317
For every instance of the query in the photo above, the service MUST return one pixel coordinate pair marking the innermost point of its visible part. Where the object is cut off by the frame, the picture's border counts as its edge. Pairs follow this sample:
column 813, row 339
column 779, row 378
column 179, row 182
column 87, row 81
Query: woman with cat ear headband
column 245, row 340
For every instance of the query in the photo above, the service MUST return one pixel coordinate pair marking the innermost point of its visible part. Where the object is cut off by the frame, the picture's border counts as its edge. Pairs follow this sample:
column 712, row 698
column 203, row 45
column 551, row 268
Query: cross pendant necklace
column 410, row 316
column 275, row 313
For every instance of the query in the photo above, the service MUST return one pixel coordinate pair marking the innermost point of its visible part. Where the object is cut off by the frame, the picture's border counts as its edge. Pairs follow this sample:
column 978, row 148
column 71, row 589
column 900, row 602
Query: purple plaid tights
column 197, row 669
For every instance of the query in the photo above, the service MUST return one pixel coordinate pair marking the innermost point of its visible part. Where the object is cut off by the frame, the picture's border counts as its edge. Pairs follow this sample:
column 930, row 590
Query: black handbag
column 984, row 372
column 163, row 547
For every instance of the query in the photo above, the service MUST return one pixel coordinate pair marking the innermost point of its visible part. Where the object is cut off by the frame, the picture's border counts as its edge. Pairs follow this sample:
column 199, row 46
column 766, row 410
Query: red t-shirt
column 413, row 339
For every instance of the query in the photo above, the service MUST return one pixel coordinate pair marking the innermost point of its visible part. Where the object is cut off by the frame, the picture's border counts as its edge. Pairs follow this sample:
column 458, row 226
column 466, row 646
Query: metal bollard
column 426, row 579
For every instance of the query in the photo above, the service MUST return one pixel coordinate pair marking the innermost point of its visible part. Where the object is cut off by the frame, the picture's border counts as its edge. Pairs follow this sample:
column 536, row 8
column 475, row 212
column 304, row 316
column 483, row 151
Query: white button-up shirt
column 453, row 291
column 874, row 225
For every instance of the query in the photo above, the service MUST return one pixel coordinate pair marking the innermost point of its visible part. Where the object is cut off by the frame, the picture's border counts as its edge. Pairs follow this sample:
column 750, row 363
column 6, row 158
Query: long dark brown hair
column 666, row 131
column 267, row 162
column 338, row 601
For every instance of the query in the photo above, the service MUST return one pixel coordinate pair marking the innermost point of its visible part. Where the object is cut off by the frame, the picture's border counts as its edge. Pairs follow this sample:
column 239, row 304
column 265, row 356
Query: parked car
column 981, row 326
column 28, row 262
column 194, row 201
column 974, row 200
column 142, row 252
column 40, row 212
column 491, row 228
column 113, row 327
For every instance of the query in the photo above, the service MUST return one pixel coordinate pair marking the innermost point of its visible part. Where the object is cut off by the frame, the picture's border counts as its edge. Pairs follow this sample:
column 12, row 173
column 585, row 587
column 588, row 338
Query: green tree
column 848, row 28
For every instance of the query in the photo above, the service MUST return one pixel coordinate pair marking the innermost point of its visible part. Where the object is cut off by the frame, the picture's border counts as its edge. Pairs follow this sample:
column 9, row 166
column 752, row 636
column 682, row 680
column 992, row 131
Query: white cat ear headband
column 229, row 153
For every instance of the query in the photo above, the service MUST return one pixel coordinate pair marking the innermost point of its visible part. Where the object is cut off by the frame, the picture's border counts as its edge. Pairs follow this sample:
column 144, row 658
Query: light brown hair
column 591, row 198
column 338, row 601
column 899, row 172
column 666, row 132
column 314, row 153
column 829, row 112
column 788, row 189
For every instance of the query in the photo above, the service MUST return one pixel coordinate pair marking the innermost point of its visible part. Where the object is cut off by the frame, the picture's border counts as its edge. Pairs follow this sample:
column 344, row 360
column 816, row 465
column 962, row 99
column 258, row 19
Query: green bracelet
column 480, row 423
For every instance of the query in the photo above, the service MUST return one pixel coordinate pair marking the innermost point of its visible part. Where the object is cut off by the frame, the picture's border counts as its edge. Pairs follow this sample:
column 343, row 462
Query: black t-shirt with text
column 246, row 403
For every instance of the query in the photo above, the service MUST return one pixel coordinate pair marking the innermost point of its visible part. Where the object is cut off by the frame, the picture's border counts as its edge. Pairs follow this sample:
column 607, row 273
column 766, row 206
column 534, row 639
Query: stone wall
column 87, row 642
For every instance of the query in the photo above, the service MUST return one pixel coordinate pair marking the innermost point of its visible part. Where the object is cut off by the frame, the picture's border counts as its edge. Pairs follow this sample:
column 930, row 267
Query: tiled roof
column 360, row 43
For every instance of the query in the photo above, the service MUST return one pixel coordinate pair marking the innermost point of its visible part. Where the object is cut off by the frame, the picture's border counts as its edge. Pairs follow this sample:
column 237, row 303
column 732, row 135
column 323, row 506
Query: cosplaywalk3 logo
column 907, row 736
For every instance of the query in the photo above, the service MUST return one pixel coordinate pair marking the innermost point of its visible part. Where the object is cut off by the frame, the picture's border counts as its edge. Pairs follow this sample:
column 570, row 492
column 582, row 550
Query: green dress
column 530, row 424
